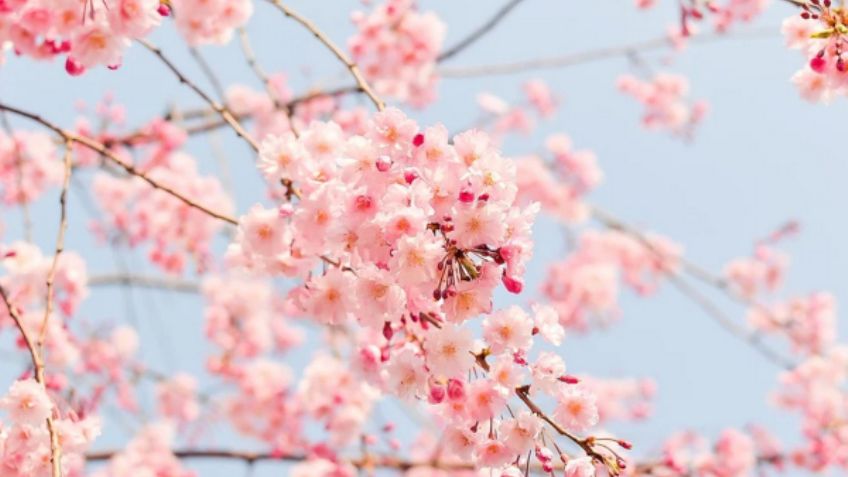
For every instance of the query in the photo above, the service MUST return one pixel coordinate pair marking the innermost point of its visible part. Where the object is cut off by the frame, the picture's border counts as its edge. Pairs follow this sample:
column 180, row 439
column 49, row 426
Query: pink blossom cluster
column 244, row 320
column 136, row 213
column 560, row 184
column 87, row 33
column 210, row 21
column 762, row 272
column 734, row 453
column 26, row 277
column 722, row 13
column 24, row 439
column 29, row 165
column 666, row 104
column 149, row 453
column 819, row 33
column 502, row 117
column 816, row 389
column 397, row 47
column 585, row 286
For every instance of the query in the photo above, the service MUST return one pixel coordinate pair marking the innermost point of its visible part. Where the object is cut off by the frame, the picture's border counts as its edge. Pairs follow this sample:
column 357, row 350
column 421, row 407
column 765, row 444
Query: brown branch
column 590, row 56
column 323, row 38
column 60, row 240
column 207, row 71
column 385, row 462
column 480, row 31
column 253, row 63
column 126, row 166
column 144, row 281
column 225, row 113
column 677, row 279
column 38, row 368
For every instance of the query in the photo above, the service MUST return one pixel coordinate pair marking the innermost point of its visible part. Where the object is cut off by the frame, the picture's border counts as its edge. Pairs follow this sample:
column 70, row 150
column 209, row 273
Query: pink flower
column 485, row 399
column 521, row 431
column 96, row 44
column 449, row 350
column 26, row 402
column 493, row 453
column 508, row 330
column 329, row 298
column 407, row 376
column 580, row 467
column 576, row 410
column 177, row 397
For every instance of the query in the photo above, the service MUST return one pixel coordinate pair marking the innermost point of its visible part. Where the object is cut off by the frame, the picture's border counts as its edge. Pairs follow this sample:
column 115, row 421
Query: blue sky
column 762, row 156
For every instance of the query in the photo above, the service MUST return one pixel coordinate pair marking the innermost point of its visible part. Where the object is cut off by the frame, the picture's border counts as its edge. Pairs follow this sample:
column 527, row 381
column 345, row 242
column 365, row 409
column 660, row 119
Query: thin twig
column 696, row 271
column 253, row 63
column 592, row 55
column 225, row 113
column 143, row 281
column 207, row 71
column 60, row 241
column 480, row 31
column 126, row 166
column 323, row 38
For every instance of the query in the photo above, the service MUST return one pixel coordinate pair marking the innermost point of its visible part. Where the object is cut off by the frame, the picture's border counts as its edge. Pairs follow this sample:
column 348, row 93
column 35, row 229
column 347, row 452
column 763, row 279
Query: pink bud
column 569, row 379
column 73, row 67
column 163, row 10
column 285, row 210
column 418, row 140
column 384, row 163
column 466, row 196
column 409, row 176
column 388, row 332
column 818, row 64
column 512, row 285
column 437, row 394
column 364, row 202
column 456, row 390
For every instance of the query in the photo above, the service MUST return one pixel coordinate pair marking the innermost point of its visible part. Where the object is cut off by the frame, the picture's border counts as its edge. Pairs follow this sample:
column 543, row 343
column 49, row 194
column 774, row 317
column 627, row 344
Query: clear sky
column 762, row 156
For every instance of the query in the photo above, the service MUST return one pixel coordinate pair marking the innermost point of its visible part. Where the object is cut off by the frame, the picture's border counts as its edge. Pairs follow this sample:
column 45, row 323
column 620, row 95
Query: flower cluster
column 24, row 441
column 397, row 47
column 210, row 21
column 29, row 164
column 665, row 100
column 149, row 453
column 723, row 14
column 88, row 33
column 137, row 213
column 585, row 285
column 560, row 184
column 504, row 118
column 819, row 32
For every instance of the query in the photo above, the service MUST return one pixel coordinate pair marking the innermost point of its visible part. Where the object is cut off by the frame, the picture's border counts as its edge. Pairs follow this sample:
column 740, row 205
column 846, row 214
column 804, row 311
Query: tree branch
column 107, row 153
column 480, row 31
column 225, row 113
column 323, row 38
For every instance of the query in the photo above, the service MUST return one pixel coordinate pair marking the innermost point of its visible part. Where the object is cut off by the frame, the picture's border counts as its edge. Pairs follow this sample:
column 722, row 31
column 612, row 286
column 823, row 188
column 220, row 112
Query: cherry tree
column 371, row 268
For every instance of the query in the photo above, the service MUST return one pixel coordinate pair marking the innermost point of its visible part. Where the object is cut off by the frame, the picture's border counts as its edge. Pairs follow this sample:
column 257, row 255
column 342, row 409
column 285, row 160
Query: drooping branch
column 118, row 161
column 323, row 38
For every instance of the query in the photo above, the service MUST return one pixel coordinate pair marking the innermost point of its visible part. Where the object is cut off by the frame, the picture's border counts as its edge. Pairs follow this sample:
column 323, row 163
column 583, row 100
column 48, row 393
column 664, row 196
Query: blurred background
column 761, row 157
